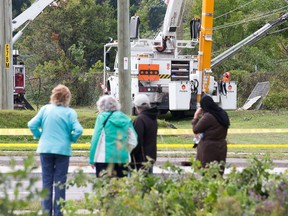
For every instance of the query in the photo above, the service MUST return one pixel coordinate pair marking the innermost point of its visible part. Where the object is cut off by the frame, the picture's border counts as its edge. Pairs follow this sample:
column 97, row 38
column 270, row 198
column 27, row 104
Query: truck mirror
column 195, row 26
column 134, row 27
column 107, row 59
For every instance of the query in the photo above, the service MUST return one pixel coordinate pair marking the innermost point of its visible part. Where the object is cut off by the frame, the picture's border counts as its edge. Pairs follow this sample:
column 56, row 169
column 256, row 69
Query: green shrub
column 246, row 82
column 250, row 192
column 253, row 191
column 278, row 95
column 14, row 181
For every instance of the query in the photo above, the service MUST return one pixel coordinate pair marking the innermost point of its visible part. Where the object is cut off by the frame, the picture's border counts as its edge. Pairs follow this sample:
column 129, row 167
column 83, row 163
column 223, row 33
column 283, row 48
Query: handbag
column 100, row 151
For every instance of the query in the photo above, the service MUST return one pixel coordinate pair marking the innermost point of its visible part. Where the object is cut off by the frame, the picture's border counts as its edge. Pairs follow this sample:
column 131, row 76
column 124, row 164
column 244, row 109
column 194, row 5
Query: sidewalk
column 80, row 163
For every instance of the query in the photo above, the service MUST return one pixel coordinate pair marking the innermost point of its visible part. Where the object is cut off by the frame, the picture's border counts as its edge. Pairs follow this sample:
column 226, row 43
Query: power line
column 280, row 30
column 234, row 9
column 261, row 16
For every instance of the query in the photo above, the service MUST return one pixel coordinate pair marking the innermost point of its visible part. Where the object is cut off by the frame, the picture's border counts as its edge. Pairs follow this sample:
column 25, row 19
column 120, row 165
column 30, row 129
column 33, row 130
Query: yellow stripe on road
column 89, row 132
column 161, row 146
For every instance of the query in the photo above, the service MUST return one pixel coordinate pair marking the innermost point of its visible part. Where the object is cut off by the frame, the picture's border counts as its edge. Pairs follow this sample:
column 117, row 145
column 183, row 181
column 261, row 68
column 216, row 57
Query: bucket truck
column 169, row 78
column 19, row 74
column 174, row 81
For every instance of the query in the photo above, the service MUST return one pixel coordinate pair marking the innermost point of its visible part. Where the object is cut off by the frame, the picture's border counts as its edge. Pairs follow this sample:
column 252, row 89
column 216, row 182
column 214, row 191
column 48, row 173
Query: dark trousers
column 113, row 170
column 54, row 171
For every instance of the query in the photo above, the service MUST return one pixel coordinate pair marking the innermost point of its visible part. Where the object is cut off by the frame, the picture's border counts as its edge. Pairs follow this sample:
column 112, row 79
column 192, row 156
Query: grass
column 244, row 119
column 239, row 119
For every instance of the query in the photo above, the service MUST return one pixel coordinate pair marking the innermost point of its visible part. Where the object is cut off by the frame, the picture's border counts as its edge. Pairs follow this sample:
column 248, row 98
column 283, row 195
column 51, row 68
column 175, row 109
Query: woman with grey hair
column 56, row 126
column 113, row 139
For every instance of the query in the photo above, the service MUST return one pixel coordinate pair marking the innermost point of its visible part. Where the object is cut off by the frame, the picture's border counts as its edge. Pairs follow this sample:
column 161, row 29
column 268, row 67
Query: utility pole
column 124, row 54
column 6, row 60
column 205, row 47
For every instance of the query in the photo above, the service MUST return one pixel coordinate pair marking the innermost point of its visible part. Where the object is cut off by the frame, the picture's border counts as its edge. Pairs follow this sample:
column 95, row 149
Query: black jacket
column 146, row 126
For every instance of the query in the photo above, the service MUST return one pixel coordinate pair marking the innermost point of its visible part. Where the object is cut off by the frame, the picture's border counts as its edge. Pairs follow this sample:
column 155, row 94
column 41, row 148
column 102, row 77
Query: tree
column 63, row 53
column 19, row 6
column 151, row 13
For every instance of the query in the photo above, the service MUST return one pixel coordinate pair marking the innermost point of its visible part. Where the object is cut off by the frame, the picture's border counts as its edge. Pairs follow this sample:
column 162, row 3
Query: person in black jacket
column 146, row 127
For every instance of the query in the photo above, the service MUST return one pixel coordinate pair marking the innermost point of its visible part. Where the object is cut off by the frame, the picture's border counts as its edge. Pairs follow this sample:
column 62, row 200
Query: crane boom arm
column 253, row 38
column 30, row 14
column 172, row 18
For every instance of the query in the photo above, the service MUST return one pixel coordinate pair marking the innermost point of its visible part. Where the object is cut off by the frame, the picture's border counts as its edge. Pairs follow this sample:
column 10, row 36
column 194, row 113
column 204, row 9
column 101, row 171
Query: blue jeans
column 54, row 171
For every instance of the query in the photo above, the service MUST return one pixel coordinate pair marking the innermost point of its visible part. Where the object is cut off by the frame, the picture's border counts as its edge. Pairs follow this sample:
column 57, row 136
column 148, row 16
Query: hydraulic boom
column 253, row 38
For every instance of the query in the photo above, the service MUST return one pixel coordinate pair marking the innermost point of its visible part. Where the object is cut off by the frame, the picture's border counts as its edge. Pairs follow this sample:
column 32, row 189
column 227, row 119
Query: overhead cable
column 261, row 16
column 234, row 10
column 280, row 30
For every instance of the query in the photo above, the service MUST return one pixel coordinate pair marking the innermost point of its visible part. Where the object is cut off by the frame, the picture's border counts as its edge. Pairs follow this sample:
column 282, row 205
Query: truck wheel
column 177, row 114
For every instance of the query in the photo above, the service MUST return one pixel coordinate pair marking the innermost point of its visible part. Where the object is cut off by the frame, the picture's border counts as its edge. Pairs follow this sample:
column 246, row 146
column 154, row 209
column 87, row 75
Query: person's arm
column 200, row 125
column 139, row 128
column 196, row 117
column 197, row 114
column 35, row 124
column 95, row 138
column 132, row 138
column 77, row 128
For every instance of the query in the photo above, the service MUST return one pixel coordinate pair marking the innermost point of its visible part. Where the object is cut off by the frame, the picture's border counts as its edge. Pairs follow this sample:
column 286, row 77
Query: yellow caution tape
column 27, row 132
column 258, row 146
column 89, row 132
column 162, row 146
column 229, row 145
column 257, row 130
column 34, row 145
column 230, row 131
column 15, row 132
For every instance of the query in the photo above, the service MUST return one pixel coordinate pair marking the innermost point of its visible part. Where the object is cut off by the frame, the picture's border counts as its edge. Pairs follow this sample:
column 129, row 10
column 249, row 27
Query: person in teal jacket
column 113, row 139
column 56, row 126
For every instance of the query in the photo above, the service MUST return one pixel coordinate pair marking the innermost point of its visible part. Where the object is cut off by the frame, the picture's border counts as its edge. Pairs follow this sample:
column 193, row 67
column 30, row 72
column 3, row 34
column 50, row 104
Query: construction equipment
column 172, row 80
column 250, row 40
column 19, row 75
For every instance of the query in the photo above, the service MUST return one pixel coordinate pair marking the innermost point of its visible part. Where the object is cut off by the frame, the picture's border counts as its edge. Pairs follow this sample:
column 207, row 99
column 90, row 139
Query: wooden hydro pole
column 124, row 54
column 6, row 56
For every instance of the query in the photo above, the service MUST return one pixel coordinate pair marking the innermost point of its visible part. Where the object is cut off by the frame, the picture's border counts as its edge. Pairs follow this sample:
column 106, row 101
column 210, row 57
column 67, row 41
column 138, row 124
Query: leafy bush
column 246, row 82
column 278, row 95
column 14, row 181
column 254, row 191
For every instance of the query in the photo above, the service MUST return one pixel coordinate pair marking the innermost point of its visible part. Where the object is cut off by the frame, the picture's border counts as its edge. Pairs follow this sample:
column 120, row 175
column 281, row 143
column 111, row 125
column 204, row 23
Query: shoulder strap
column 104, row 123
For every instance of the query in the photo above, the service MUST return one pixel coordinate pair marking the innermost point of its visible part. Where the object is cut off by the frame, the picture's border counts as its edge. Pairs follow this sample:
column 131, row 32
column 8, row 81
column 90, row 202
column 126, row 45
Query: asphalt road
column 83, row 161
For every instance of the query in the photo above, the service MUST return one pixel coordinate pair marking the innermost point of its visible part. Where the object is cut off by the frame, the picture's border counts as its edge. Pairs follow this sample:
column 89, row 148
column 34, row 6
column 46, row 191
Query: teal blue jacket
column 115, row 142
column 56, row 127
